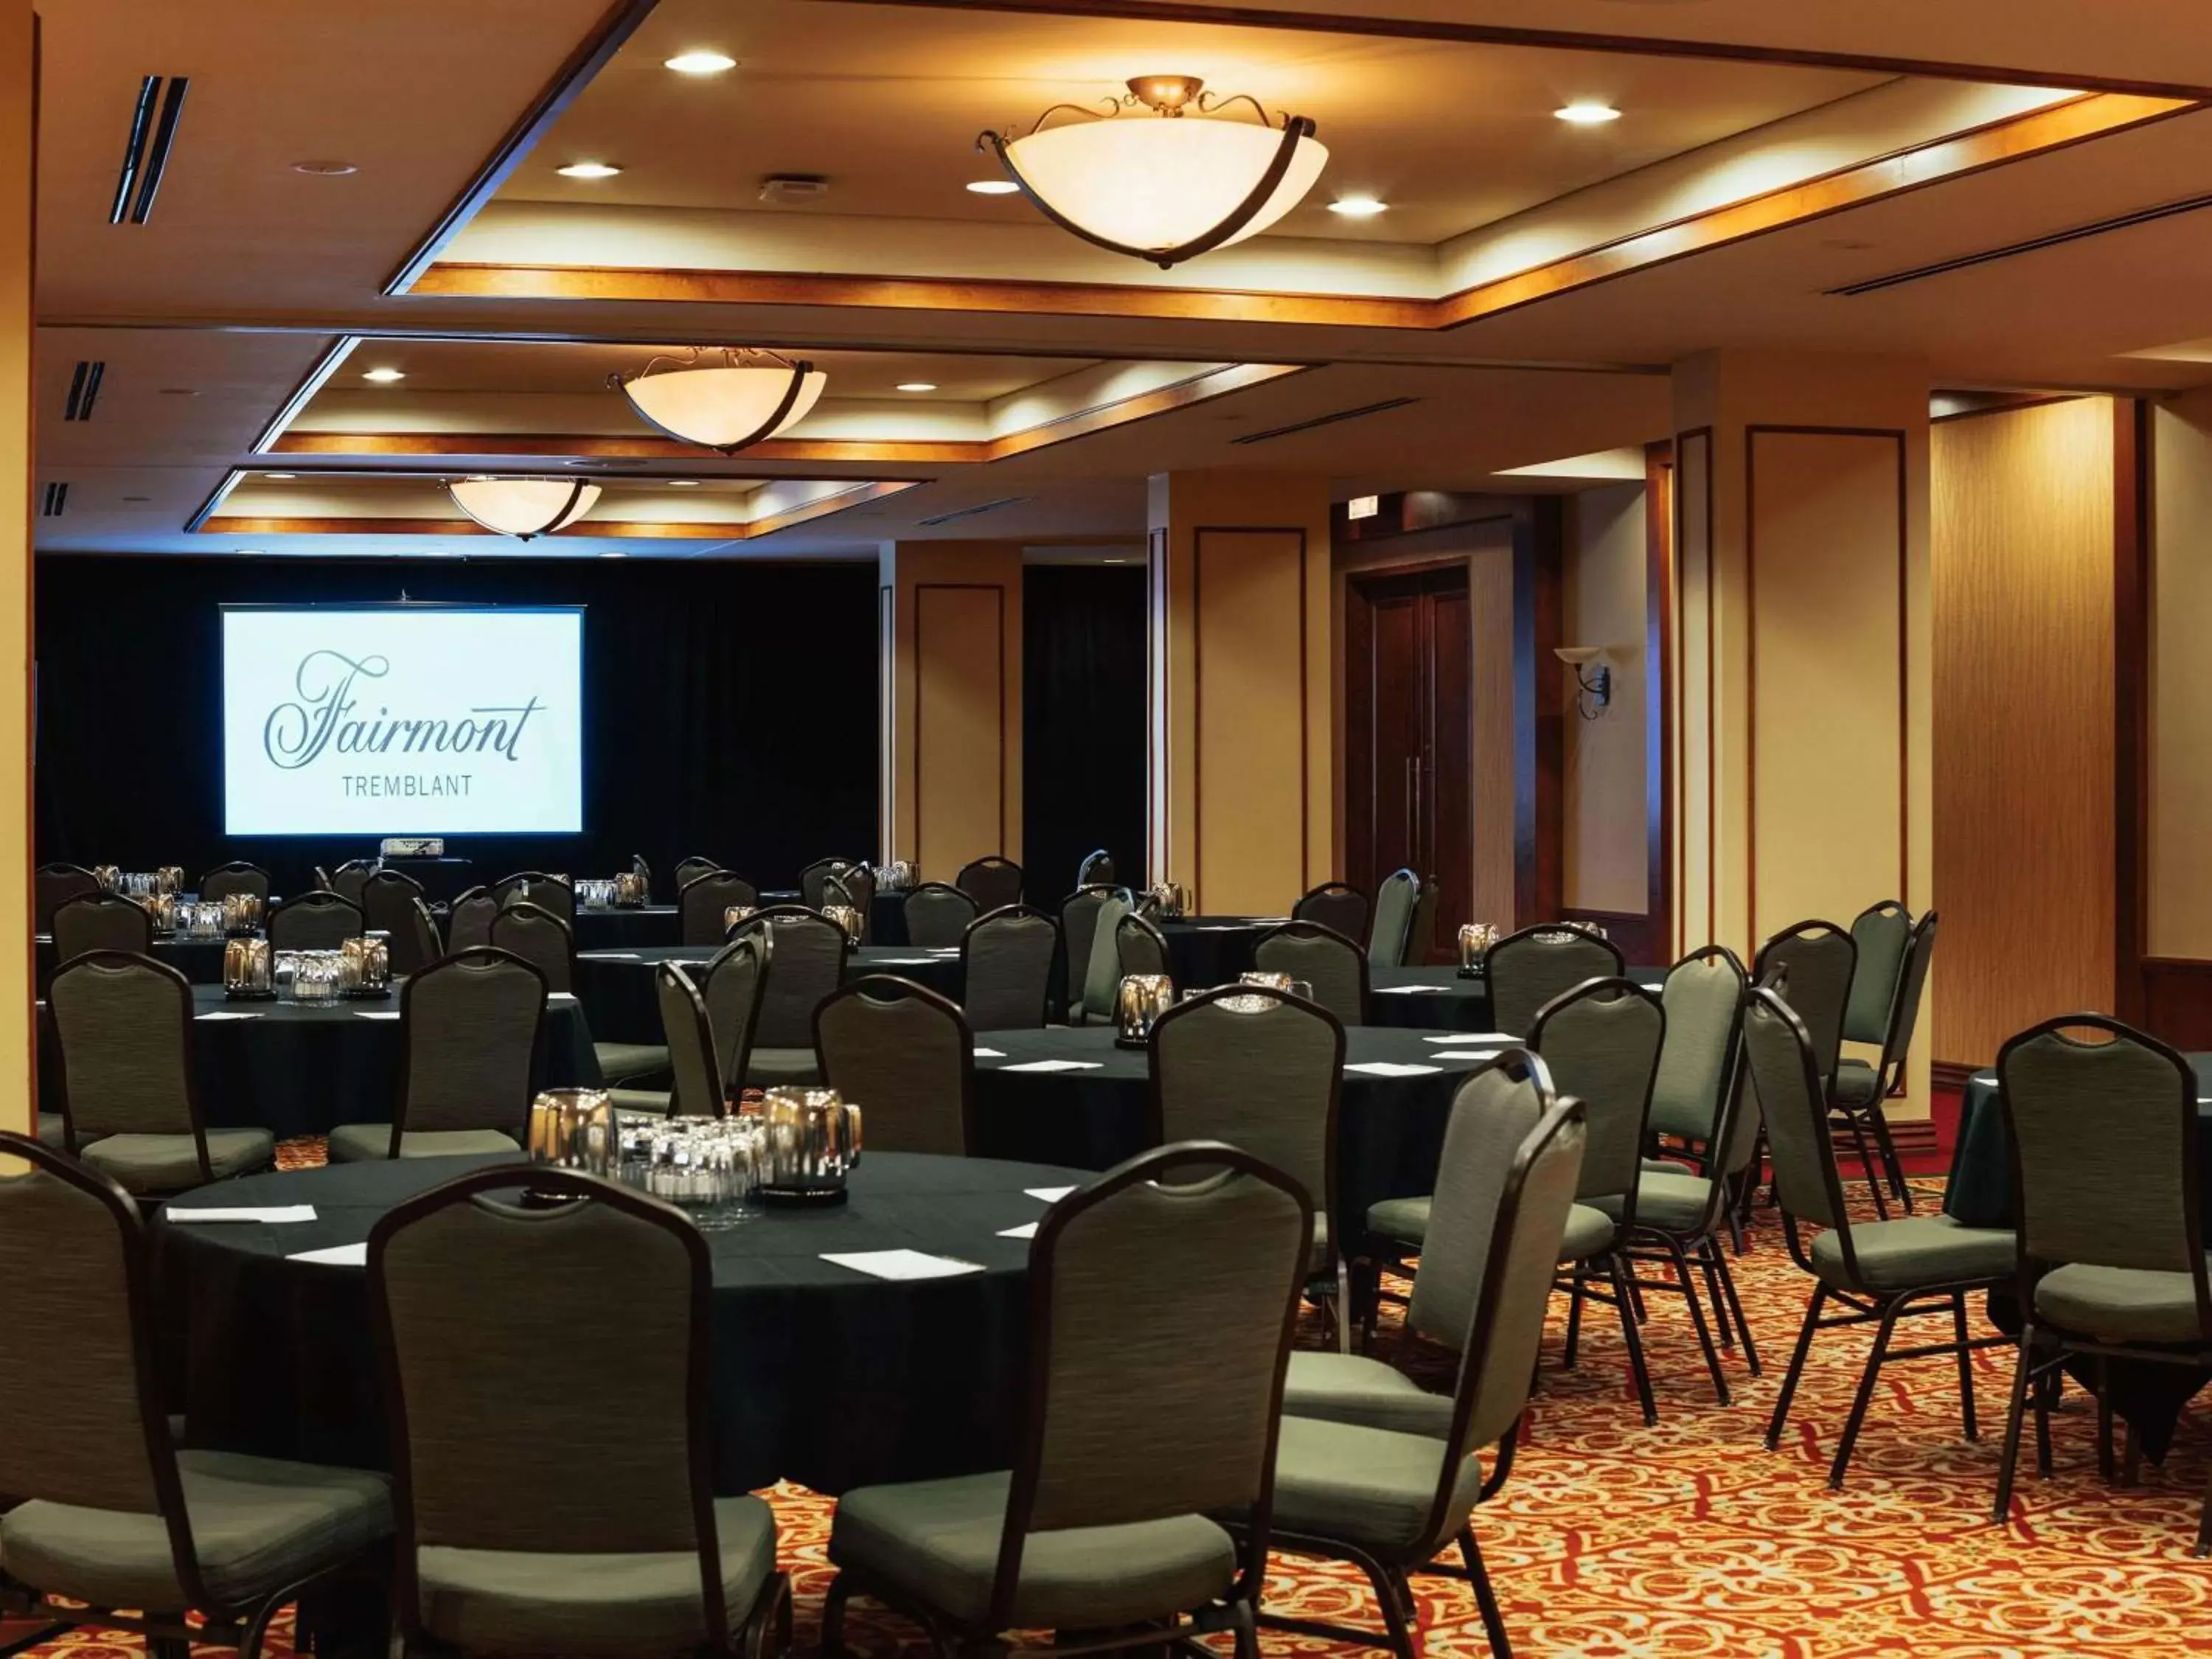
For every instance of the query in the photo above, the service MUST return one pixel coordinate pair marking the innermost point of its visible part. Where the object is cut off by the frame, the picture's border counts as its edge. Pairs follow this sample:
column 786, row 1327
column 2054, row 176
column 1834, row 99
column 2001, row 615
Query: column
column 950, row 616
column 1239, row 799
column 17, row 973
column 1803, row 646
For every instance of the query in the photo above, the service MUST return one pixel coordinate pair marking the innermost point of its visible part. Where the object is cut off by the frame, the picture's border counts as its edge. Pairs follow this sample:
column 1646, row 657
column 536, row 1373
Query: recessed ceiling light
column 683, row 483
column 325, row 169
column 1358, row 207
column 384, row 376
column 995, row 187
column 1587, row 112
column 701, row 63
column 917, row 385
column 280, row 477
column 587, row 170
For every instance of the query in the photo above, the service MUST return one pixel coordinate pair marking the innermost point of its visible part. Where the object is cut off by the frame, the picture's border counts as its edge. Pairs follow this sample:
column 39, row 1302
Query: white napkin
column 1503, row 1037
column 1027, row 1230
column 1055, row 1066
column 1409, row 990
column 609, row 956
column 1469, row 1053
column 990, row 1054
column 229, row 1013
column 1391, row 1069
column 337, row 1256
column 275, row 1213
column 903, row 962
column 902, row 1264
column 1049, row 1194
column 560, row 996
column 377, row 1013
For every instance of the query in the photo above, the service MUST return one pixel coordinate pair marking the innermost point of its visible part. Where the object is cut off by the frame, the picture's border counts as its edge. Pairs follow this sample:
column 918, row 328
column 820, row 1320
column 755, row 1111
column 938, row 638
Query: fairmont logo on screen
column 328, row 717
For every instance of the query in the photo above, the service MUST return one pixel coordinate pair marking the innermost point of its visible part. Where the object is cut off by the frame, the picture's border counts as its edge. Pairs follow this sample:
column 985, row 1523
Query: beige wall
column 1603, row 813
column 2023, row 720
column 950, row 750
column 2179, row 879
column 17, row 1071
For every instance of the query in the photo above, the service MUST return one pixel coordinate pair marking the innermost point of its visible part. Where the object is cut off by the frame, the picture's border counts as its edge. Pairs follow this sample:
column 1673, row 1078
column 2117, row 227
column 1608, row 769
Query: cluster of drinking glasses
column 205, row 920
column 140, row 883
column 311, row 976
column 711, row 1168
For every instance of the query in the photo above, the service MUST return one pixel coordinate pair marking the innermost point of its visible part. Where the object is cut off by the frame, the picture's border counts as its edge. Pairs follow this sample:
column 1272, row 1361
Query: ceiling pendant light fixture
column 1166, row 189
column 726, row 405
column 523, row 507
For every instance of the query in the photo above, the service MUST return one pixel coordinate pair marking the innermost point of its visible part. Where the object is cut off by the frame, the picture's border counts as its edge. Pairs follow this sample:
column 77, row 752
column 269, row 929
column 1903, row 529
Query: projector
column 411, row 847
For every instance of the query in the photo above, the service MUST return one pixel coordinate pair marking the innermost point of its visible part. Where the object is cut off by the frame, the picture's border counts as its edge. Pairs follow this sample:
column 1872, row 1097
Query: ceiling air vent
column 55, row 502
column 2032, row 245
column 971, row 512
column 1323, row 420
column 146, row 156
column 84, row 391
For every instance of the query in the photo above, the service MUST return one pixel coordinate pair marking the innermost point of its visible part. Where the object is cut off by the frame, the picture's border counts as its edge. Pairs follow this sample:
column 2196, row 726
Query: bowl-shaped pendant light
column 727, row 405
column 523, row 507
column 1169, row 188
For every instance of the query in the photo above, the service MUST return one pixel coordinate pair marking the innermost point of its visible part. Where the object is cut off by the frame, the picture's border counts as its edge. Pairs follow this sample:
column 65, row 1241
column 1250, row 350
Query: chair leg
column 1247, row 1631
column 1485, row 1596
column 1736, row 1306
column 1724, row 1326
column 2008, row 1459
column 1865, row 1397
column 833, row 1616
column 1394, row 1604
column 1890, row 1162
column 2107, row 1468
column 1965, row 1364
column 1574, row 1317
column 168, row 1647
column 1698, row 1318
column 1637, row 1367
column 1343, row 1306
column 2045, row 1397
column 1796, row 1366
column 1867, row 1164
column 2204, row 1525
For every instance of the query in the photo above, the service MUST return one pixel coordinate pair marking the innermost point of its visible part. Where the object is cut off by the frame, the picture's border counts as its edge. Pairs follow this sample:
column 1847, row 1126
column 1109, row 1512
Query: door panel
column 1448, row 796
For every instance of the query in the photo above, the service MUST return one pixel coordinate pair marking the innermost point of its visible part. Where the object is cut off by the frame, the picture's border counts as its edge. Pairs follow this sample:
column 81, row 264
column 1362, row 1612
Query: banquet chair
column 938, row 915
column 1096, row 870
column 807, row 953
column 1152, row 1407
column 415, row 945
column 56, row 884
column 1880, row 936
column 614, row 1543
column 1261, row 1070
column 994, row 882
column 553, row 893
column 728, row 989
column 102, row 922
column 315, row 920
column 1078, row 925
column 906, row 1056
column 469, row 919
column 1858, row 1088
column 2110, row 1263
column 1334, row 904
column 322, row 879
column 1325, row 958
column 1810, row 964
column 540, row 938
column 814, row 879
column 857, row 883
column 1877, row 1272
column 1139, row 947
column 349, row 879
column 733, row 987
column 691, row 869
column 123, row 1025
column 643, row 872
column 1372, row 1470
column 1006, row 969
column 1392, row 929
column 1420, row 929
column 1527, row 969
column 236, row 877
column 695, row 1061
column 112, row 1514
column 701, row 901
column 386, row 901
column 470, row 1027
column 1100, row 982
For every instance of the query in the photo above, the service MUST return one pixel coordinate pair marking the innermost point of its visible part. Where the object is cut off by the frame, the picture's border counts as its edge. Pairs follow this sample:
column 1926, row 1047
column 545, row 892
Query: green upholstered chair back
column 1420, row 926
column 56, row 884
column 469, row 919
column 315, row 921
column 387, row 900
column 1703, row 999
column 415, row 945
column 1394, row 918
column 1078, row 926
column 938, row 914
column 102, row 922
column 813, row 881
column 1155, row 1391
column 1336, row 905
column 1527, row 969
column 124, row 1025
column 1815, row 960
column 734, row 986
column 226, row 879
column 1257, row 1069
column 991, row 881
column 1139, row 947
column 540, row 938
column 853, row 886
column 349, row 879
column 1911, row 986
column 470, row 1024
column 2104, row 1142
column 693, row 1064
column 1102, row 970
column 1325, row 958
column 1006, row 960
column 1493, row 1111
column 689, row 870
column 1602, row 1043
column 906, row 1057
column 701, row 901
column 1879, row 934
column 807, row 952
column 1779, row 1061
column 1096, row 869
column 544, row 1367
column 547, row 892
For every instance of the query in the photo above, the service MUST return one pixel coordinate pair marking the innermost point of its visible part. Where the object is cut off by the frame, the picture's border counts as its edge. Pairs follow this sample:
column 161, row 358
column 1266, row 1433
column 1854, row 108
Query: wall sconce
column 1593, row 690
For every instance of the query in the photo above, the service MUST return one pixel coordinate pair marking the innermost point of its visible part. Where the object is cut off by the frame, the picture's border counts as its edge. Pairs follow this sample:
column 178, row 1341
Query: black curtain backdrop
column 1083, row 722
column 730, row 709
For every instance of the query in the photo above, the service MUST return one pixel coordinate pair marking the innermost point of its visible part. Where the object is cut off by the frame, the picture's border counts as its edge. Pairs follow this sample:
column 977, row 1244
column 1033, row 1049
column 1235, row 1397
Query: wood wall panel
column 1489, row 594
column 1607, row 853
column 2177, row 895
column 1695, row 892
column 959, row 721
column 2022, row 518
column 1248, row 603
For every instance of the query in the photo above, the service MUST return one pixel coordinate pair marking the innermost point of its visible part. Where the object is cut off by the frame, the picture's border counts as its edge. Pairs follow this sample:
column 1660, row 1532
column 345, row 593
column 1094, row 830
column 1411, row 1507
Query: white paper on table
column 560, row 996
column 1055, row 1066
column 903, row 962
column 1409, row 990
column 902, row 1264
column 276, row 1214
column 609, row 956
column 1505, row 1039
column 336, row 1255
column 1049, row 1194
column 377, row 1013
column 230, row 1014
column 1391, row 1069
column 1469, row 1053
column 990, row 1054
column 1027, row 1230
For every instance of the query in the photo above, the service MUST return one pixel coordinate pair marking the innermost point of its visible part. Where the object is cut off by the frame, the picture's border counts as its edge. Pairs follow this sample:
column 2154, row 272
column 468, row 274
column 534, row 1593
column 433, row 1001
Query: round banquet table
column 199, row 960
column 302, row 1069
column 1438, row 999
column 1389, row 1129
column 616, row 989
column 822, row 1374
column 626, row 928
column 1204, row 952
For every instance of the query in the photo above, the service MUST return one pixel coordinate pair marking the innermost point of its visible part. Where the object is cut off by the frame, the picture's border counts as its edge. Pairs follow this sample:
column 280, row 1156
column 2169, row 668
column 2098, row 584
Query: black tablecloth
column 626, row 929
column 1204, row 952
column 616, row 987
column 1437, row 998
column 199, row 960
column 823, row 1374
column 1389, row 1130
column 300, row 1070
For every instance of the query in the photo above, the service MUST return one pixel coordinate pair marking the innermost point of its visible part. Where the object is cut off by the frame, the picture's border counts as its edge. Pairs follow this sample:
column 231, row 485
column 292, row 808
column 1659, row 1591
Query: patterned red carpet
column 1690, row 1540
